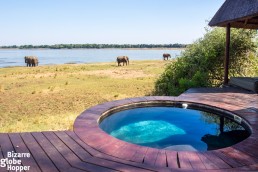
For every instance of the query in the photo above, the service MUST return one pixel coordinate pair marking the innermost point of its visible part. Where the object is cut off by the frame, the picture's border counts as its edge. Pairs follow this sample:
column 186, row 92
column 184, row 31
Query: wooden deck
column 74, row 151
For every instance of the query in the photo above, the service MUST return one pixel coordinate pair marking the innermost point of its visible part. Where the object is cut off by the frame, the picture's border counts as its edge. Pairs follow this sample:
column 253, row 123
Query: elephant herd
column 125, row 59
column 31, row 61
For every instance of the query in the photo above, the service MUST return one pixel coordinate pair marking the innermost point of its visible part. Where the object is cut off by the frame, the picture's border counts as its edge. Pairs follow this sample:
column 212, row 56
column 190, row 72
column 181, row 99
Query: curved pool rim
column 86, row 125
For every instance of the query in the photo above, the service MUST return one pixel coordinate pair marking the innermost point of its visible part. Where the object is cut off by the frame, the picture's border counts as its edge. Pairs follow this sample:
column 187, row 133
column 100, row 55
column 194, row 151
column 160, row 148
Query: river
column 15, row 57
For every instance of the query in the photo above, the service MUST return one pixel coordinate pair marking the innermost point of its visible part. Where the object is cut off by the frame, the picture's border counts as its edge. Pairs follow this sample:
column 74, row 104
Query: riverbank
column 51, row 97
column 11, row 58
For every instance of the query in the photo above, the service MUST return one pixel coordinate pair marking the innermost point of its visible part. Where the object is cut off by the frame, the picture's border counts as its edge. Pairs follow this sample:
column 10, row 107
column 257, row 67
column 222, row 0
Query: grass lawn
column 48, row 98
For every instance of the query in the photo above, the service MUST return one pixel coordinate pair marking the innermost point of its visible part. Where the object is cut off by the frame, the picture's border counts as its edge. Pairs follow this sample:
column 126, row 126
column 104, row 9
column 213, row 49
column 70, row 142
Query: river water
column 15, row 57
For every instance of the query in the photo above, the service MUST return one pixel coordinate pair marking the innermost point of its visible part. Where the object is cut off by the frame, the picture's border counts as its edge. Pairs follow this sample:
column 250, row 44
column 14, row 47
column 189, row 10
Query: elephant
column 122, row 59
column 166, row 56
column 31, row 61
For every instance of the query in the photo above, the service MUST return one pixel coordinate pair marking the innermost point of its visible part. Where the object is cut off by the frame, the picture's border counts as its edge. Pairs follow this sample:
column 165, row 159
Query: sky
column 48, row 22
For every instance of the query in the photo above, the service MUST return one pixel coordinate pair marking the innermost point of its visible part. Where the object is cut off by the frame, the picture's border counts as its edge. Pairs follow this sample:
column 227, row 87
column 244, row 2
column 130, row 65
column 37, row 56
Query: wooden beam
column 246, row 21
column 226, row 60
column 221, row 124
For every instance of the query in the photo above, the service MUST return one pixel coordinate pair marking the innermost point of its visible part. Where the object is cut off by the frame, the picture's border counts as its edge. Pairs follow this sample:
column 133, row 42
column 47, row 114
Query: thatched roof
column 239, row 13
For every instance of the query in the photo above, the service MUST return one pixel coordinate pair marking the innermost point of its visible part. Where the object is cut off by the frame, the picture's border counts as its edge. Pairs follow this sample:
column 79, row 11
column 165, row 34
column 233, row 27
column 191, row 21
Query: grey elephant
column 122, row 59
column 166, row 56
column 31, row 61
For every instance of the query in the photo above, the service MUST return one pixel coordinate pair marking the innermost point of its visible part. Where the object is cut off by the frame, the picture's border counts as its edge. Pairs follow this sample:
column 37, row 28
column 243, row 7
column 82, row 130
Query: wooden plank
column 50, row 150
column 86, row 147
column 93, row 151
column 117, row 166
column 111, row 158
column 70, row 156
column 228, row 159
column 226, row 59
column 2, row 169
column 98, row 141
column 93, row 167
column 106, row 146
column 253, row 167
column 89, row 149
column 106, row 157
column 248, row 149
column 38, row 153
column 161, row 159
column 114, row 148
column 6, row 145
column 133, row 164
column 216, row 160
column 77, row 149
column 195, row 161
column 151, row 156
column 220, row 163
column 172, row 159
column 126, row 152
column 74, row 170
column 184, row 161
column 20, row 147
column 139, row 155
column 209, row 165
column 239, row 156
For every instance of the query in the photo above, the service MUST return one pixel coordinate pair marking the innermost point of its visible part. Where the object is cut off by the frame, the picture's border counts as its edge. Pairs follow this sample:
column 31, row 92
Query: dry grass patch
column 119, row 73
column 51, row 97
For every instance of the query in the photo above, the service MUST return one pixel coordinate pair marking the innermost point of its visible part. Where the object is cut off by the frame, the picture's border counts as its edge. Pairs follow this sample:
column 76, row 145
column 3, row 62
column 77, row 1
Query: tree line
column 97, row 46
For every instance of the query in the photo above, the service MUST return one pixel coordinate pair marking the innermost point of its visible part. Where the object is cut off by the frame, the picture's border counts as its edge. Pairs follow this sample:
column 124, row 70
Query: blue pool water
column 173, row 128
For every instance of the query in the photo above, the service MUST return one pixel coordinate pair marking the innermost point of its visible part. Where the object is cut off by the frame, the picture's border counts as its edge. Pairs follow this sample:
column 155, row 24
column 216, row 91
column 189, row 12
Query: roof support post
column 226, row 60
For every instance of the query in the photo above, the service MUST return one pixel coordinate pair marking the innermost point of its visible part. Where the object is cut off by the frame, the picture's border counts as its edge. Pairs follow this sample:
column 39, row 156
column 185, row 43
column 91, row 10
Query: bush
column 201, row 64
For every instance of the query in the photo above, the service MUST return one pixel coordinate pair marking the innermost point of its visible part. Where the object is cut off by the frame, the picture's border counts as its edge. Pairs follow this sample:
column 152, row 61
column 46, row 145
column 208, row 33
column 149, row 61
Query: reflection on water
column 173, row 128
column 228, row 132
column 228, row 124
column 224, row 139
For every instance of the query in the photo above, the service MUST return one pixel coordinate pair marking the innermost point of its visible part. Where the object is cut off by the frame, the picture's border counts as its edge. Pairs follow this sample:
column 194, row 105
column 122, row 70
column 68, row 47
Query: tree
column 201, row 64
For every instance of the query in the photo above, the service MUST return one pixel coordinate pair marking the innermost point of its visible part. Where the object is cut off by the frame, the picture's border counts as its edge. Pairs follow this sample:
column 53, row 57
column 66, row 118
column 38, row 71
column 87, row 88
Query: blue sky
column 50, row 22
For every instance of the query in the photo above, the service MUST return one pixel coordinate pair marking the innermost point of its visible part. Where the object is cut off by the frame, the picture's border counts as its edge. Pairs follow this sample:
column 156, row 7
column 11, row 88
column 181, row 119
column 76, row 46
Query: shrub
column 201, row 64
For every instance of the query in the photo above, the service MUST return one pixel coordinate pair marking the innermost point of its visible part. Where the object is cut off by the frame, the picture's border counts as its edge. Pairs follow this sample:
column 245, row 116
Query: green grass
column 51, row 97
